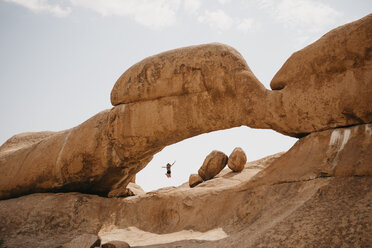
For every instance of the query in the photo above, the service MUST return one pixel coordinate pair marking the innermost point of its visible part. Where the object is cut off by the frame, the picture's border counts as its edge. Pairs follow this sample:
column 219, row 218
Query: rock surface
column 187, row 71
column 212, row 165
column 327, row 84
column 116, row 244
column 237, row 160
column 102, row 154
column 286, row 200
column 22, row 140
column 341, row 152
column 84, row 241
column 187, row 92
column 194, row 180
column 131, row 189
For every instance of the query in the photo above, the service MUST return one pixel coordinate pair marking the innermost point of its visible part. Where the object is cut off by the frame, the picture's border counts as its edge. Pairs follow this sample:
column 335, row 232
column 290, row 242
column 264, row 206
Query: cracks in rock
column 163, row 97
column 58, row 166
column 333, row 128
column 321, row 176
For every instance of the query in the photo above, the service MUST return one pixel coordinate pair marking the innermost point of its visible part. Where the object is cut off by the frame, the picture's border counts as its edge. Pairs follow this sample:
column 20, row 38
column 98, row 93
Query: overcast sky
column 60, row 59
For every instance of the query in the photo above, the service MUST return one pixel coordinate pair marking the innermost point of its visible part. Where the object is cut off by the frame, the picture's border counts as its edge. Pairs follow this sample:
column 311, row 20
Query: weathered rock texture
column 318, row 194
column 194, row 180
column 342, row 152
column 327, row 84
column 189, row 91
column 212, row 165
column 105, row 152
column 132, row 189
column 237, row 160
column 84, row 241
column 116, row 244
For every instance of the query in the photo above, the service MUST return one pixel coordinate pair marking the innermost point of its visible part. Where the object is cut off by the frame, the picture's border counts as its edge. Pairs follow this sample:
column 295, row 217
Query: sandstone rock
column 102, row 154
column 75, row 159
column 327, row 84
column 325, row 178
column 136, row 189
column 194, row 180
column 116, row 244
column 84, row 241
column 237, row 160
column 23, row 140
column 190, row 91
column 131, row 189
column 186, row 71
column 212, row 165
column 133, row 179
column 341, row 152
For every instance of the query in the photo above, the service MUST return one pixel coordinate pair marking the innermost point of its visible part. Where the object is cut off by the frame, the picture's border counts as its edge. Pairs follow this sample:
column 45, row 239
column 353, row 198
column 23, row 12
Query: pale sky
column 60, row 59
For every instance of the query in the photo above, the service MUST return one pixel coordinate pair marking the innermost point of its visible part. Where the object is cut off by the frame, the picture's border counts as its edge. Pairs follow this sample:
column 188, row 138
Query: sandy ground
column 136, row 237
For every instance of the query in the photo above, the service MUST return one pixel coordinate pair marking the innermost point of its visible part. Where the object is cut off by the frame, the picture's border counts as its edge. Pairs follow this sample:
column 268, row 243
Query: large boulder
column 237, row 160
column 327, row 84
column 212, row 165
column 187, row 71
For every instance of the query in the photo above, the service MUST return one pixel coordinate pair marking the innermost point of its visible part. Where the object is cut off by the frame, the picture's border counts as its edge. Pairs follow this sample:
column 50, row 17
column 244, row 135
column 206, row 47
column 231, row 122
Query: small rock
column 136, row 189
column 120, row 192
column 194, row 180
column 212, row 165
column 237, row 160
column 116, row 244
column 84, row 241
column 131, row 189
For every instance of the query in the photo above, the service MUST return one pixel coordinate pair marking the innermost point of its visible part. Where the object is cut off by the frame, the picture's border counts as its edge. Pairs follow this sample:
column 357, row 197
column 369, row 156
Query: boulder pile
column 215, row 162
column 212, row 165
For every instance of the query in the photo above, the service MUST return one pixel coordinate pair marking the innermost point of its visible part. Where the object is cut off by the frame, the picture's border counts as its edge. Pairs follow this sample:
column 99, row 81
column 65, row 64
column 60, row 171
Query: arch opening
column 190, row 153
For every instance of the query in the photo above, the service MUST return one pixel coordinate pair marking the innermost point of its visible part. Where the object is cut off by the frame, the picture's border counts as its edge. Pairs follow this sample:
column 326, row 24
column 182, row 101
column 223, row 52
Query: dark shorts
column 168, row 172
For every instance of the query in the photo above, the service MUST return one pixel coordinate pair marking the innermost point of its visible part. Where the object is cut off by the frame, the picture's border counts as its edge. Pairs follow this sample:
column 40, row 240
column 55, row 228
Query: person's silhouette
column 168, row 166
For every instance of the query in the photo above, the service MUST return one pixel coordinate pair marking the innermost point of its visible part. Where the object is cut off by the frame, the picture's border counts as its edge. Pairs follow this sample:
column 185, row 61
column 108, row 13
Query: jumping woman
column 168, row 166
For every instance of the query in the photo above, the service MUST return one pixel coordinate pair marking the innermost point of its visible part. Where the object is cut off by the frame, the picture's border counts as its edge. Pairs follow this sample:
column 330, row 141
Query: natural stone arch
column 211, row 88
column 103, row 153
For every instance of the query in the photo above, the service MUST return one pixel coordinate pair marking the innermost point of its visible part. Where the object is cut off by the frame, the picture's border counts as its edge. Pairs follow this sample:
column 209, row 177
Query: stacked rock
column 214, row 164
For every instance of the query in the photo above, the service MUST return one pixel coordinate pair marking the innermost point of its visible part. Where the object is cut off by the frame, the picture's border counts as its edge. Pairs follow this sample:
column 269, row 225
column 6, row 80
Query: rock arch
column 189, row 91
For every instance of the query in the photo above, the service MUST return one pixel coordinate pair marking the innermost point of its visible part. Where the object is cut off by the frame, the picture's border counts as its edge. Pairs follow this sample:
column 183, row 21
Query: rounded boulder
column 212, row 165
column 237, row 160
column 194, row 180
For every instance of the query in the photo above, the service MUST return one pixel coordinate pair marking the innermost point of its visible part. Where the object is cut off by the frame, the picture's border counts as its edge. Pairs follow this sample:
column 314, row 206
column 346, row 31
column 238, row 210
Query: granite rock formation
column 327, row 84
column 104, row 153
column 212, row 165
column 317, row 194
column 116, row 244
column 190, row 91
column 194, row 180
column 237, row 160
column 82, row 241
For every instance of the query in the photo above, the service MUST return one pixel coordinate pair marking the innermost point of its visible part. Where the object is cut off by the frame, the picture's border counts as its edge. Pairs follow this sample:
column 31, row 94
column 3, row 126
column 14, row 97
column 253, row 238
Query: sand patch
column 136, row 237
